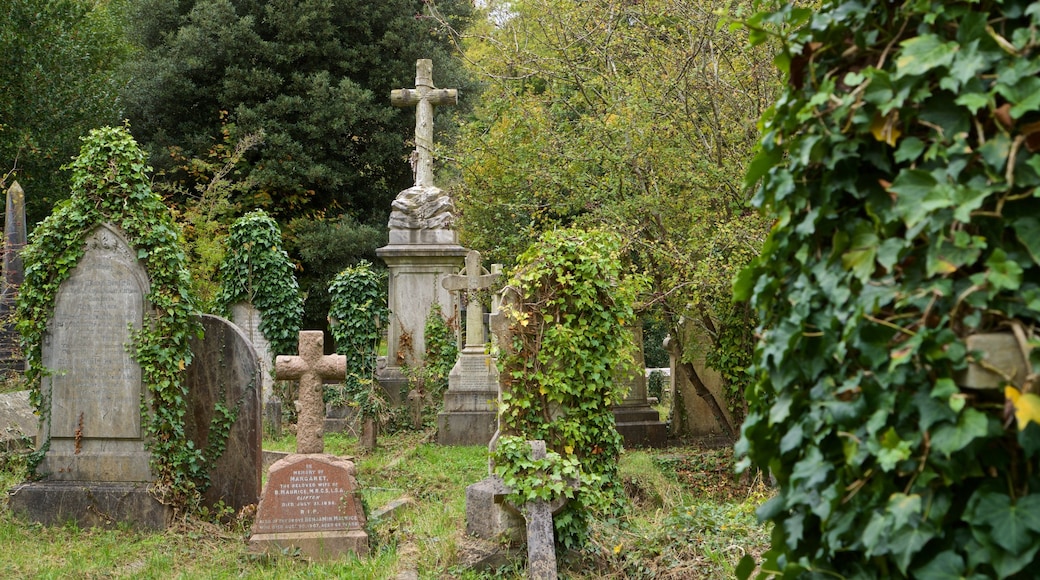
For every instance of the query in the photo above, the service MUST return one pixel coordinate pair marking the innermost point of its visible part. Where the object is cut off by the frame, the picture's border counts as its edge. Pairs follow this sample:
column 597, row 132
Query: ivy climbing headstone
column 105, row 312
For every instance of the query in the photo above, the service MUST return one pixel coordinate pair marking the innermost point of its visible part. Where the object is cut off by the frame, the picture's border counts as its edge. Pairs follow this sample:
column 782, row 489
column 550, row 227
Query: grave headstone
column 248, row 318
column 638, row 423
column 471, row 401
column 96, row 469
column 311, row 502
column 223, row 382
column 311, row 499
column 11, row 359
column 423, row 246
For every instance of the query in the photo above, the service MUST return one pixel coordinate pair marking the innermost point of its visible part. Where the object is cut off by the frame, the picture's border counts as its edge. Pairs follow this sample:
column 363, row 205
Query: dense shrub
column 900, row 166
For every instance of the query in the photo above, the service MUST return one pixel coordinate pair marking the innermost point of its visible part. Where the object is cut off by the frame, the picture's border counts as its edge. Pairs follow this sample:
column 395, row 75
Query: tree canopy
column 638, row 117
column 59, row 60
column 313, row 75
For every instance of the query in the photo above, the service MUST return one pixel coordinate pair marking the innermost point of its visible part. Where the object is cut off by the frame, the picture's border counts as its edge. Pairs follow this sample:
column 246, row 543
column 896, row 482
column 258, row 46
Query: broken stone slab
column 18, row 423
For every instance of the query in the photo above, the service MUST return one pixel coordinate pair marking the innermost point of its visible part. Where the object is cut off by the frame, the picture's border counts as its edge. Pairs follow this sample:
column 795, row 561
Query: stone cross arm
column 312, row 368
column 472, row 281
column 423, row 97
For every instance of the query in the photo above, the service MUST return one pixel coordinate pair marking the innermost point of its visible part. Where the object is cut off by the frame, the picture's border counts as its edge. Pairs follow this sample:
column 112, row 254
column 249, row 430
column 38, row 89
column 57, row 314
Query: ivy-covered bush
column 356, row 315
column 570, row 343
column 256, row 270
column 900, row 166
column 110, row 184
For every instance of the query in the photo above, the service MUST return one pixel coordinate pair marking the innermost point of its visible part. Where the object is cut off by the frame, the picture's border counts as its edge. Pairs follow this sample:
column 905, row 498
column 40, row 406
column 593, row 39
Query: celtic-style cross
column 423, row 97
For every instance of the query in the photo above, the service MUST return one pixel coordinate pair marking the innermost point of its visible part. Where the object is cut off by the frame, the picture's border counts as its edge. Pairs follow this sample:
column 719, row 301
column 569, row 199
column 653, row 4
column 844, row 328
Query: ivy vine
column 357, row 312
column 570, row 343
column 900, row 164
column 257, row 270
column 109, row 183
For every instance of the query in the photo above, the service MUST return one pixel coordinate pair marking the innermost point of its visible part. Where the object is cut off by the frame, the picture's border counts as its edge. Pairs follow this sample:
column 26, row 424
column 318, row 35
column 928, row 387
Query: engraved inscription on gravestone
column 96, row 385
column 310, row 493
column 94, row 389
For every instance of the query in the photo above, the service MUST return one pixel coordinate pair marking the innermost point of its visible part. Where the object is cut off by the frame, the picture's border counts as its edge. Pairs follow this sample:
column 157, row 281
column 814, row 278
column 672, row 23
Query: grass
column 688, row 518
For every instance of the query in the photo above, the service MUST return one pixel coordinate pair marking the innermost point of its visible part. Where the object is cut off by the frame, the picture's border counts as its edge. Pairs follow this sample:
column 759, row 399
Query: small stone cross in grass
column 312, row 368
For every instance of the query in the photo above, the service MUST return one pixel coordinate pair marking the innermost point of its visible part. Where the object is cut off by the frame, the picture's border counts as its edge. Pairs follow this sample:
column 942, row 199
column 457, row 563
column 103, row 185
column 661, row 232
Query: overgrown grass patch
column 687, row 518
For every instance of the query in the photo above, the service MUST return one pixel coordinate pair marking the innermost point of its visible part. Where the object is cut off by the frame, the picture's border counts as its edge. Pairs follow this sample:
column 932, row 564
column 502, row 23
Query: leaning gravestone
column 223, row 382
column 311, row 499
column 96, row 468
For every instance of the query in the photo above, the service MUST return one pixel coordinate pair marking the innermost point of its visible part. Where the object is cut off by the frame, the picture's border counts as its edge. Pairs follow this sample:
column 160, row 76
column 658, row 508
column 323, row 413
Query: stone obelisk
column 11, row 359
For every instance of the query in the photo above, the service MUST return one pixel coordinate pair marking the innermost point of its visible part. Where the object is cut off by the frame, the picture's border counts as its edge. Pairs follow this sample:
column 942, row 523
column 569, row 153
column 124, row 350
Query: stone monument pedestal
column 470, row 415
column 416, row 271
column 90, row 504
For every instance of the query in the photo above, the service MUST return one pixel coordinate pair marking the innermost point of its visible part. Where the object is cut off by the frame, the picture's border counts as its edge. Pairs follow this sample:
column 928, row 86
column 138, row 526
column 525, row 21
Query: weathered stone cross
column 471, row 282
column 312, row 368
column 541, row 542
column 423, row 97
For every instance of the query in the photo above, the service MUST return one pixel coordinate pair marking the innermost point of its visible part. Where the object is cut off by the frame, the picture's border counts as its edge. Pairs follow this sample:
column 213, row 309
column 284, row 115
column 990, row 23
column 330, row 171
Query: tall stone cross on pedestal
column 423, row 97
column 312, row 368
column 473, row 280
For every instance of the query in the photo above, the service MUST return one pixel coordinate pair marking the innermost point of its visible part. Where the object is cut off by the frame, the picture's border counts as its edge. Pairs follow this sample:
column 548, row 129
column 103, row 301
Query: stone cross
column 473, row 280
column 541, row 542
column 312, row 368
column 423, row 97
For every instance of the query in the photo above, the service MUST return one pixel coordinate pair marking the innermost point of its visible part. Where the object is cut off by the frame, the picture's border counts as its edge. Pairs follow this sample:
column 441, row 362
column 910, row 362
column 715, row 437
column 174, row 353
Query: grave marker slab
column 96, row 470
column 311, row 502
column 95, row 389
column 224, row 374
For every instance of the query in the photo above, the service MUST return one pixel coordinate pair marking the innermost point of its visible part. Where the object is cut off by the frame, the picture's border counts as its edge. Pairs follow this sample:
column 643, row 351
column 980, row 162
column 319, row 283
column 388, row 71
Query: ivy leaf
column 884, row 128
column 907, row 542
column 923, row 53
column 860, row 257
column 1002, row 273
column 1026, row 406
column 1014, row 524
column 1027, row 230
column 948, row 565
column 948, row 439
column 916, row 192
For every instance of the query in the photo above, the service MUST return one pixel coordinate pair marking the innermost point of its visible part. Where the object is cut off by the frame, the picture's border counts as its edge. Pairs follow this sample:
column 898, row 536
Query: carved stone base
column 466, row 427
column 90, row 504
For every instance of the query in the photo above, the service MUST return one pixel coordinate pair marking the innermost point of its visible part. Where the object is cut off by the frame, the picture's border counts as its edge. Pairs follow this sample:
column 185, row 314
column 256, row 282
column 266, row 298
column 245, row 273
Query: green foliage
column 570, row 344
column 637, row 117
column 314, row 75
column 324, row 247
column 547, row 479
column 655, row 384
column 357, row 313
column 900, row 166
column 205, row 214
column 110, row 184
column 442, row 350
column 256, row 270
column 59, row 62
